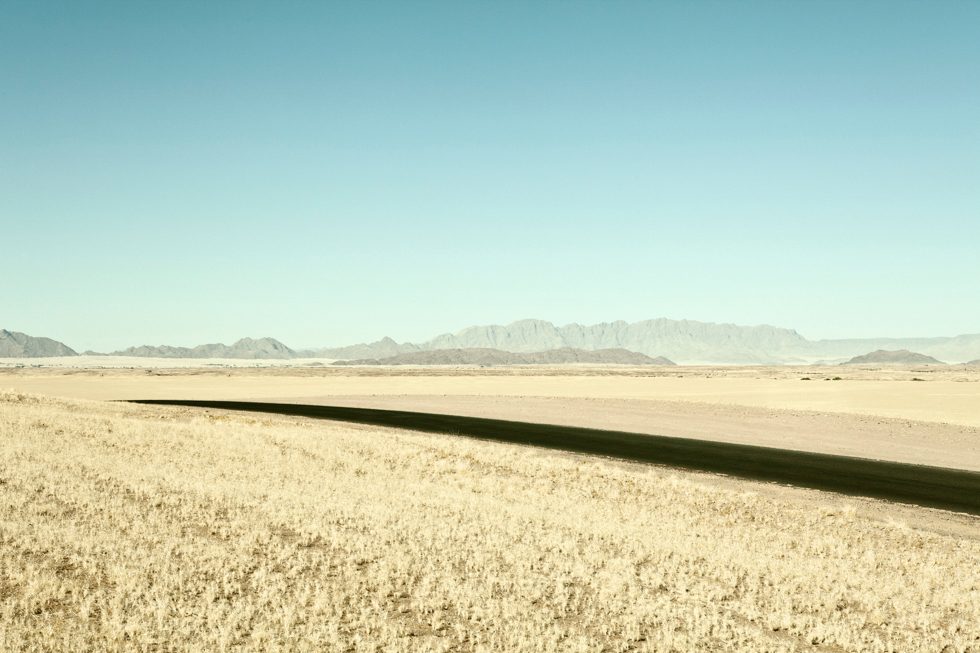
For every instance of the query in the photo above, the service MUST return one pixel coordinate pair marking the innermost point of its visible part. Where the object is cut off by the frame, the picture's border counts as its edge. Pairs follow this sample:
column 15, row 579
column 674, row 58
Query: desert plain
column 126, row 527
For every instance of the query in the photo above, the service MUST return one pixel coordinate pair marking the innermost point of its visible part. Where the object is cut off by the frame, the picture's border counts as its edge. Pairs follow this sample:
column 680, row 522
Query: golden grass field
column 170, row 529
column 134, row 528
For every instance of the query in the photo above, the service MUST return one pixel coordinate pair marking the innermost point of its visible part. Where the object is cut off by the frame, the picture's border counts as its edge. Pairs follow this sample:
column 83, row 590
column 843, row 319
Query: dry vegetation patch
column 138, row 528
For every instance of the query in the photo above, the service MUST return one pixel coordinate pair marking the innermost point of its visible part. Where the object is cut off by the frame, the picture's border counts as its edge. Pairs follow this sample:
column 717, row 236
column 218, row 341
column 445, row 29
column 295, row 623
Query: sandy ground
column 875, row 413
column 916, row 442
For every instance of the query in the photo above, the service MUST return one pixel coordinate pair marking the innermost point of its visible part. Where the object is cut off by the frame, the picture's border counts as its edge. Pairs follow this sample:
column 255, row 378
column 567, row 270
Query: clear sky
column 185, row 172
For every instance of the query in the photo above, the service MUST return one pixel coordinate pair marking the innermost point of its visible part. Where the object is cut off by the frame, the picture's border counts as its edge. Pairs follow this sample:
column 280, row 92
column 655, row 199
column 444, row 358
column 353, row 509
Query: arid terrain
column 138, row 528
column 926, row 415
column 127, row 527
column 489, row 327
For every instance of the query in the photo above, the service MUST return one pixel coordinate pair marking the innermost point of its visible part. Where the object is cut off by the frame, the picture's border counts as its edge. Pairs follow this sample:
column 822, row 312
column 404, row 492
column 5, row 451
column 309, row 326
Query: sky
column 328, row 173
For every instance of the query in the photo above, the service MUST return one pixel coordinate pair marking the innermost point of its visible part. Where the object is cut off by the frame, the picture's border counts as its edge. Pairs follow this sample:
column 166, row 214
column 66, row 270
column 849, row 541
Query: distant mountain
column 381, row 349
column 976, row 362
column 894, row 357
column 20, row 345
column 955, row 349
column 261, row 348
column 675, row 339
column 489, row 356
column 684, row 341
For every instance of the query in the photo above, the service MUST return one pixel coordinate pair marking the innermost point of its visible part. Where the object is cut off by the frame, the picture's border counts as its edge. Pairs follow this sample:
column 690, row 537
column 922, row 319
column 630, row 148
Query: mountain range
column 485, row 356
column 259, row 348
column 14, row 344
column 685, row 341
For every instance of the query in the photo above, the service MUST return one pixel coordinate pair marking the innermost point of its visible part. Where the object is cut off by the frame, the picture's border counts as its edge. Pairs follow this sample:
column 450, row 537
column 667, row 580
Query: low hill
column 379, row 349
column 261, row 348
column 20, row 345
column 489, row 356
column 893, row 357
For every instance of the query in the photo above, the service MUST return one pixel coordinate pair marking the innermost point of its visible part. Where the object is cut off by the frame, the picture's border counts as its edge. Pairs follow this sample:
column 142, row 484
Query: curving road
column 935, row 487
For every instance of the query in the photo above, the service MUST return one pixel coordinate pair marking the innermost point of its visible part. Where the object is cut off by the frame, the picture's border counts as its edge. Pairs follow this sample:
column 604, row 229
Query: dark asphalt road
column 935, row 487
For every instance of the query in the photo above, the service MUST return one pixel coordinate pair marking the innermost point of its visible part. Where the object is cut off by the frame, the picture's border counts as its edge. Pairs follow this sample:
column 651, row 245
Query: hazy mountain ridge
column 379, row 349
column 955, row 349
column 489, row 356
column 684, row 341
column 260, row 348
column 893, row 357
column 676, row 339
column 14, row 344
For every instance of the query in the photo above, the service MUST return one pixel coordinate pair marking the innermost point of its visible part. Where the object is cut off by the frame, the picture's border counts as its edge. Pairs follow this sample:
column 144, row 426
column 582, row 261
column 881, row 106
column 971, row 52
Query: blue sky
column 328, row 173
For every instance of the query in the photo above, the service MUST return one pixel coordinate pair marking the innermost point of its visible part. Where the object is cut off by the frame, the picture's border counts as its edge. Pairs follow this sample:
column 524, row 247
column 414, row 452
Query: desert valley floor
column 123, row 526
column 925, row 415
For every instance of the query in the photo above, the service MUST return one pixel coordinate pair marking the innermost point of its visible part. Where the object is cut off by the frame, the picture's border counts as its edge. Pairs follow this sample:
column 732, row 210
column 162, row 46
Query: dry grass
column 134, row 528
